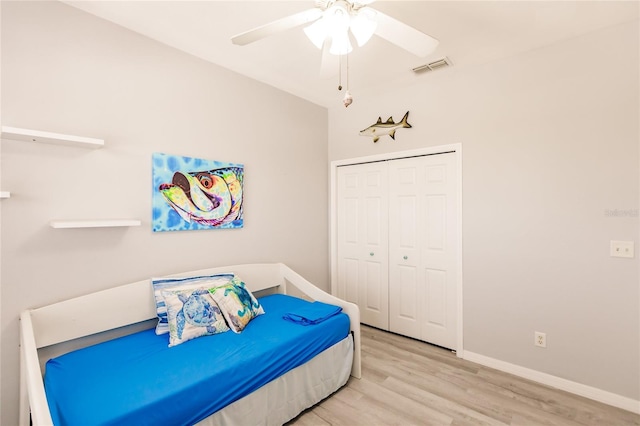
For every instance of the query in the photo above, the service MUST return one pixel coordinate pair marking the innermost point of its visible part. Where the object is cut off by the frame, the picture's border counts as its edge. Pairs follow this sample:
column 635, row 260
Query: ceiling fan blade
column 401, row 34
column 277, row 26
column 329, row 65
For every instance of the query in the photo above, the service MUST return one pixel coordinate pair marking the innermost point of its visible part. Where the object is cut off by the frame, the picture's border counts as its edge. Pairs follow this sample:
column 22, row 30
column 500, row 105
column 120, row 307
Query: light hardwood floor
column 407, row 382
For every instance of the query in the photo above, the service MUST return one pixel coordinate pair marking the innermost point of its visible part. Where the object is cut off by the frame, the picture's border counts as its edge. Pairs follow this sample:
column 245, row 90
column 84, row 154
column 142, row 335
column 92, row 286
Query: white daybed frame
column 131, row 304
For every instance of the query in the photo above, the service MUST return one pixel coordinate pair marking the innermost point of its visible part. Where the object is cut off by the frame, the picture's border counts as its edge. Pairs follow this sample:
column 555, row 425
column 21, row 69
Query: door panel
column 397, row 245
column 436, row 306
column 431, row 221
column 349, row 275
column 407, row 208
column 436, row 222
column 407, row 291
column 404, row 252
column 373, row 298
column 363, row 240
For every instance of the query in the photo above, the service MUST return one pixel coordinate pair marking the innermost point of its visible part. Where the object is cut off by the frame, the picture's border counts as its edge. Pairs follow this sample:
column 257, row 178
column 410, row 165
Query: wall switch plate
column 622, row 249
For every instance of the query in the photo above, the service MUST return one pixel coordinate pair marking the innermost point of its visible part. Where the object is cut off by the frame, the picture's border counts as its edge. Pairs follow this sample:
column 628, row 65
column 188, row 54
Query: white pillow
column 184, row 283
column 237, row 303
column 192, row 314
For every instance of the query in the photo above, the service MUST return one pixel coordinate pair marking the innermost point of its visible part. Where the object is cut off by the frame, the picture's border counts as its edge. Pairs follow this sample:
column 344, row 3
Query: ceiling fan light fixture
column 340, row 44
column 363, row 25
column 334, row 24
column 337, row 17
column 317, row 32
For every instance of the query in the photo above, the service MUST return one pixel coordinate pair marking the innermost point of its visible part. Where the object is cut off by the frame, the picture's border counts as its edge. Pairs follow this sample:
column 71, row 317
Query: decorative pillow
column 237, row 304
column 185, row 283
column 192, row 314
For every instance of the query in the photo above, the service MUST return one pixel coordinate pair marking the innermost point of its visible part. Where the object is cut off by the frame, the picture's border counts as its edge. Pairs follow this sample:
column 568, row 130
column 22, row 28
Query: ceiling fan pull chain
column 340, row 72
column 348, row 99
column 347, row 72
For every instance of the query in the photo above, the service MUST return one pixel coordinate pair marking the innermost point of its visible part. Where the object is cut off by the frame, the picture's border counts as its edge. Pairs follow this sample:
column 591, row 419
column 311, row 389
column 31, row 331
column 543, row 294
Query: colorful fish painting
column 192, row 193
column 388, row 127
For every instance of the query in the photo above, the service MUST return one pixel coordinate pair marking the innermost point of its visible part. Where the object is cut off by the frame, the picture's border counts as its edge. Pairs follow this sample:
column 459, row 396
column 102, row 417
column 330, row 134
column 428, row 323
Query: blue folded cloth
column 313, row 313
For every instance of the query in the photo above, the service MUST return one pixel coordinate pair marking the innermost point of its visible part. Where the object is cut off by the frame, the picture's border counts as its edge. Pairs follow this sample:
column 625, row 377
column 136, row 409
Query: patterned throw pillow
column 192, row 314
column 237, row 304
column 185, row 283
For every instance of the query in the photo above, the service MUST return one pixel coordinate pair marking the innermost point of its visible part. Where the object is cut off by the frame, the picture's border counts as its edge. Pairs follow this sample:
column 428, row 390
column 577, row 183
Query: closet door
column 423, row 248
column 363, row 240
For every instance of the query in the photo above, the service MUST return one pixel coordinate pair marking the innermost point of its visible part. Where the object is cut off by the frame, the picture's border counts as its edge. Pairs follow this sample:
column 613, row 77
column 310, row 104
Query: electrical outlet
column 622, row 249
column 540, row 339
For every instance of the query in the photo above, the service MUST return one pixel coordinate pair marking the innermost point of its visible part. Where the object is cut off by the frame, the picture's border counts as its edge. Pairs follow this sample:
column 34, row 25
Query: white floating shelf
column 5, row 194
column 107, row 223
column 14, row 133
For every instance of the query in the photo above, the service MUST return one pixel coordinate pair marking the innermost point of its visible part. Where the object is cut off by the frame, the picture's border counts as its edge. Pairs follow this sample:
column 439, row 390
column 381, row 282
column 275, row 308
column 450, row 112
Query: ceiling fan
column 331, row 21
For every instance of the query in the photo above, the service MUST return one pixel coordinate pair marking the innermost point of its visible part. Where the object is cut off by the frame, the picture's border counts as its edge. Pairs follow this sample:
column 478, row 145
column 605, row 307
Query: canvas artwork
column 193, row 193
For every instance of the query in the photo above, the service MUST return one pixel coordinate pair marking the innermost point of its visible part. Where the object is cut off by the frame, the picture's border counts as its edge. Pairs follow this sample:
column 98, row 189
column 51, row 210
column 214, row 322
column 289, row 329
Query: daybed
column 63, row 327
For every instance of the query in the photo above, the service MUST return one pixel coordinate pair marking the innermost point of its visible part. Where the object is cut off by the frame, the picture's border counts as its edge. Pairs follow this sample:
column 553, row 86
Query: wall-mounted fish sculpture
column 212, row 197
column 387, row 128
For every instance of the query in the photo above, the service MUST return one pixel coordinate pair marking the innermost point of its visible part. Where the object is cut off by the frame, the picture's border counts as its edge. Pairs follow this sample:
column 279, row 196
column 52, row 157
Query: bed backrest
column 127, row 304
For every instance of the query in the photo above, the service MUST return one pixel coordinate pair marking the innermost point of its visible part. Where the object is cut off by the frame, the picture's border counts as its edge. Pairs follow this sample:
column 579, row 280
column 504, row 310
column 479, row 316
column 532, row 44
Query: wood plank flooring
column 407, row 382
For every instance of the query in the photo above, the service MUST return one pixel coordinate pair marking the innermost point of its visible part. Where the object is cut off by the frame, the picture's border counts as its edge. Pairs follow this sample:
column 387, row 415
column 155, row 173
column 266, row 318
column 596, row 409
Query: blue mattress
column 138, row 380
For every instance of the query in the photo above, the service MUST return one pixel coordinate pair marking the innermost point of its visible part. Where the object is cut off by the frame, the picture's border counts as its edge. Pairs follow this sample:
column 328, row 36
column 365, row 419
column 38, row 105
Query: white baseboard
column 590, row 392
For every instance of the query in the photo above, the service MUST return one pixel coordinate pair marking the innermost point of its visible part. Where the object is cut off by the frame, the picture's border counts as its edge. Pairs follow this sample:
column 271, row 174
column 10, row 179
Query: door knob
column 405, row 257
column 371, row 254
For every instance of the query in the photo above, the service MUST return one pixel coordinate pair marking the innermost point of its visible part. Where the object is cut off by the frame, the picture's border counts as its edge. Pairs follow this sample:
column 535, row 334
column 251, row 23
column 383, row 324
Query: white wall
column 68, row 72
column 1, row 206
column 550, row 142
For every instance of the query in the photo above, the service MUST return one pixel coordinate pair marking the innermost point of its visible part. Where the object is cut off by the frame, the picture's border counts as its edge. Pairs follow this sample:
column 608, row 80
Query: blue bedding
column 313, row 313
column 139, row 380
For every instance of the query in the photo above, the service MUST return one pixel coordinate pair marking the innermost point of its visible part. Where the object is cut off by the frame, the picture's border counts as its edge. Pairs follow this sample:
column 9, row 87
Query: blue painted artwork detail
column 192, row 193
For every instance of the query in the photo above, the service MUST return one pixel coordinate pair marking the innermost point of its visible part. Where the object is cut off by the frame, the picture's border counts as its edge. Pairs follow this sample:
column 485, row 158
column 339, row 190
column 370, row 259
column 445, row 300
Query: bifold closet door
column 423, row 248
column 362, row 237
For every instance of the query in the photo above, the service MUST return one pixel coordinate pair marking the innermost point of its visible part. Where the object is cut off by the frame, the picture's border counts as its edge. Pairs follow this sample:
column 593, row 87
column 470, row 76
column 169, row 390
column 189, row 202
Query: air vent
column 431, row 66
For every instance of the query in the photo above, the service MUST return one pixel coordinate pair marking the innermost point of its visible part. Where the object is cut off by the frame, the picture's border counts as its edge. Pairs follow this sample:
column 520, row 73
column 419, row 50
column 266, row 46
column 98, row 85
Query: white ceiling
column 470, row 33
